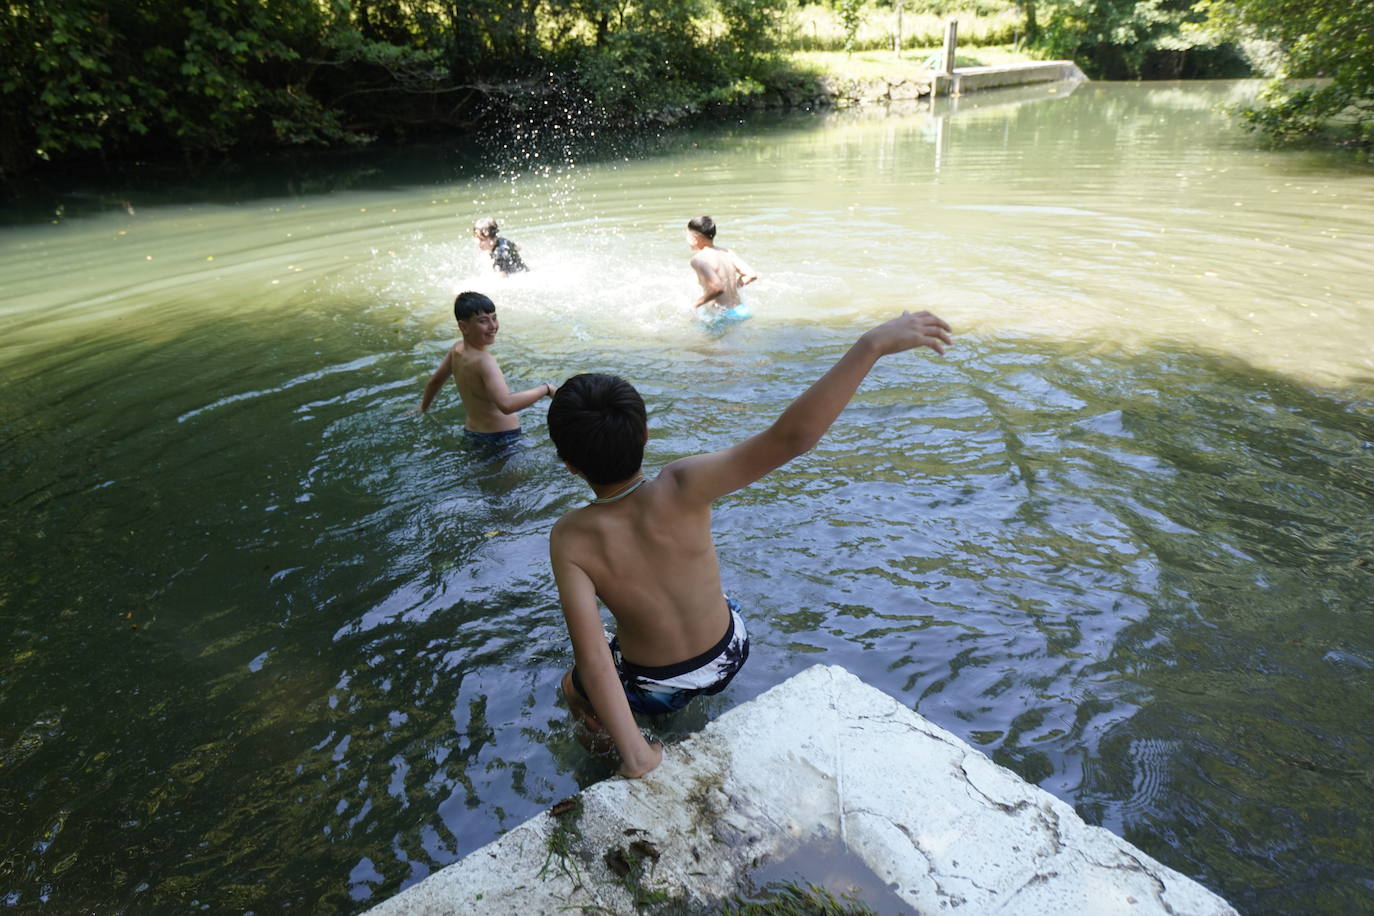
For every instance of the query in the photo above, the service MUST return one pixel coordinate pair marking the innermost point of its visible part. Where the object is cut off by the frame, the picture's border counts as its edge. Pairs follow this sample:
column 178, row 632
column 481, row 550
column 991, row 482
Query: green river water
column 273, row 645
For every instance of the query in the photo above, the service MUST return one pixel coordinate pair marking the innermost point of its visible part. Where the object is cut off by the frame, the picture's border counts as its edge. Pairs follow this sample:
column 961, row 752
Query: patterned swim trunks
column 657, row 690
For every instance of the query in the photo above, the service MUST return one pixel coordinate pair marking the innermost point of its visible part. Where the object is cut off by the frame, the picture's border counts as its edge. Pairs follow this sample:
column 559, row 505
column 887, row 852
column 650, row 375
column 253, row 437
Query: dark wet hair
column 469, row 304
column 597, row 423
column 703, row 224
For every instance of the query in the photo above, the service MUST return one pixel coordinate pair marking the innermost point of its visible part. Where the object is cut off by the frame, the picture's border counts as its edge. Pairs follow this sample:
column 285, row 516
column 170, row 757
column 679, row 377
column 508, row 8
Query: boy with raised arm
column 720, row 271
column 644, row 547
column 490, row 405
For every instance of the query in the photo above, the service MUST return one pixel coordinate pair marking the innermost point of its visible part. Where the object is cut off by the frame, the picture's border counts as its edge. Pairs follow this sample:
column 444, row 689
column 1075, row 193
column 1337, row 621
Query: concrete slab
column 973, row 79
column 821, row 756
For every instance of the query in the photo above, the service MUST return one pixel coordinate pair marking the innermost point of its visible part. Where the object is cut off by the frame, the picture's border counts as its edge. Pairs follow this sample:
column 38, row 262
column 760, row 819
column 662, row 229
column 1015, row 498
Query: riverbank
column 553, row 102
column 825, row 79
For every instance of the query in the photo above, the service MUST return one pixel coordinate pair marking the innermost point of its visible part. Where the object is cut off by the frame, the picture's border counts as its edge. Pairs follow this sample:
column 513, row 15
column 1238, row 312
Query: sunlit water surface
column 273, row 644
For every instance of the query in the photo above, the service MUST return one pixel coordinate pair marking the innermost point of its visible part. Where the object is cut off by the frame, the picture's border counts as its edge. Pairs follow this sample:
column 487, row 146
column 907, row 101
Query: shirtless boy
column 720, row 271
column 491, row 406
column 644, row 547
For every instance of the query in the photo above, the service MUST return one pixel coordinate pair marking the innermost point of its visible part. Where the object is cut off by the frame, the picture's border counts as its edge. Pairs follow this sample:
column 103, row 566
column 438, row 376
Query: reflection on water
column 273, row 643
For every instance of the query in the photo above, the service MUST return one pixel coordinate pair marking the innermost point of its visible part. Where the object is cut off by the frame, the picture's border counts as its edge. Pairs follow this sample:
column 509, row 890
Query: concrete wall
column 820, row 756
column 973, row 79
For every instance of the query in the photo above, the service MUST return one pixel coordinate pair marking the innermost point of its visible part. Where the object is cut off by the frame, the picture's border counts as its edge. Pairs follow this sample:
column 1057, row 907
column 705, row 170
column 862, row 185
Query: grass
column 908, row 64
column 817, row 28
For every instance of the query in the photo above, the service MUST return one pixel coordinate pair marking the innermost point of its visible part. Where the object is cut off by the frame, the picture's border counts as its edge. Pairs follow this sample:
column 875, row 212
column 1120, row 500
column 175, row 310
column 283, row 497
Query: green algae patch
column 565, row 831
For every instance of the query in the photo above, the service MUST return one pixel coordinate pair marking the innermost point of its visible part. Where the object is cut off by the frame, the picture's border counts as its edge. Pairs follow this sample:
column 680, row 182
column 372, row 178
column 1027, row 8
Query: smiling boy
column 490, row 405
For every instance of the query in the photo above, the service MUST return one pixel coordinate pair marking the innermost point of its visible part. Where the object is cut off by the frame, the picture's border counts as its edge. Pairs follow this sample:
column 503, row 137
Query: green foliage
column 1129, row 39
column 677, row 54
column 820, row 28
column 753, row 32
column 649, row 68
column 851, row 17
column 1330, row 40
column 84, row 78
column 152, row 74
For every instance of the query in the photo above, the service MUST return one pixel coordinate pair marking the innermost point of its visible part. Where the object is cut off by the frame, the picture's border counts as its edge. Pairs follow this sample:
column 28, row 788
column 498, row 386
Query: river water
column 273, row 644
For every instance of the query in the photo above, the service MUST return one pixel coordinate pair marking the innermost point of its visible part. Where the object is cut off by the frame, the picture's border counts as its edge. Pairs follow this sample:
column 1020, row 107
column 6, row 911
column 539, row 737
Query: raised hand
column 908, row 331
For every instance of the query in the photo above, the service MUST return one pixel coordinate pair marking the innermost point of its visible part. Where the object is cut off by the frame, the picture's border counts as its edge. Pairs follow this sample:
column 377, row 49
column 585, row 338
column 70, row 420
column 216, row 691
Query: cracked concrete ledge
column 820, row 756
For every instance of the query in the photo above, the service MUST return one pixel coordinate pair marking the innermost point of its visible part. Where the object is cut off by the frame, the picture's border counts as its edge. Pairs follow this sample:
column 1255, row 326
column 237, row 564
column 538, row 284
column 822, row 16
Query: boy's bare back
column 652, row 562
column 721, row 268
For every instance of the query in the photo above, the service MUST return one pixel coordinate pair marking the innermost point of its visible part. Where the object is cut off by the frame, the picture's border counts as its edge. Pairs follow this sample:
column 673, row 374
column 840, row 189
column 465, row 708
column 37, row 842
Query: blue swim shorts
column 658, row 690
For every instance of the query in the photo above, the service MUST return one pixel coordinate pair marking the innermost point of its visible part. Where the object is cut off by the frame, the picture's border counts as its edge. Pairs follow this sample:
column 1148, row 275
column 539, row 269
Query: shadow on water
column 561, row 139
column 522, row 148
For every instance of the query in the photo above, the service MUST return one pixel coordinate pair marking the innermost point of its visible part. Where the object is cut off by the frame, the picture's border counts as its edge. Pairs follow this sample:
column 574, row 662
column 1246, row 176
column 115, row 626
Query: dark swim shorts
column 666, row 688
column 506, row 442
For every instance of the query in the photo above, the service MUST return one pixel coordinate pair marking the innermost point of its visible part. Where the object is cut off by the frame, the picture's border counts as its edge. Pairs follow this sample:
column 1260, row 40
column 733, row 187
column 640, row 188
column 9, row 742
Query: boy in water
column 491, row 407
column 720, row 271
column 644, row 547
column 505, row 254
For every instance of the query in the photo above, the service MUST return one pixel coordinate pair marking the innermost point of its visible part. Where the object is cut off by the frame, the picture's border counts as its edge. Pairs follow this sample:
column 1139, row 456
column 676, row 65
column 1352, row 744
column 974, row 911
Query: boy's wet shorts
column 655, row 691
column 497, row 444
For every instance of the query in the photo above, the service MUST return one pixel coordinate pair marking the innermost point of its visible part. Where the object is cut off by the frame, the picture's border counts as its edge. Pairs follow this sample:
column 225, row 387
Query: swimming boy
column 490, row 405
column 505, row 254
column 720, row 271
column 644, row 547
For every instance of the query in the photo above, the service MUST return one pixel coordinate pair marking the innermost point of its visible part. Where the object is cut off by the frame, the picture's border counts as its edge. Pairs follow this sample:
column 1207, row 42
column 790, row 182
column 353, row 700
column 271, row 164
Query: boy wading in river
column 489, row 403
column 504, row 254
column 644, row 547
column 720, row 271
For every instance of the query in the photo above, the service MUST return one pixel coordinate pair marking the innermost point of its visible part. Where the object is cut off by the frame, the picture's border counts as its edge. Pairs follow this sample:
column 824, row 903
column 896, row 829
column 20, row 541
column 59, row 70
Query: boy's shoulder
column 571, row 525
column 471, row 355
column 587, row 518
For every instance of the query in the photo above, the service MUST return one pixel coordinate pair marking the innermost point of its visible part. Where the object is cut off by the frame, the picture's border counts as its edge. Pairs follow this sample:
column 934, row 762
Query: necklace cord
column 622, row 492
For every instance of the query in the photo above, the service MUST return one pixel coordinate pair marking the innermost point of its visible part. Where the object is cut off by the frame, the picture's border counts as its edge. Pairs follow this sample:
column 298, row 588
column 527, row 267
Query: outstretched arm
column 595, row 667
column 436, row 381
column 703, row 478
column 499, row 394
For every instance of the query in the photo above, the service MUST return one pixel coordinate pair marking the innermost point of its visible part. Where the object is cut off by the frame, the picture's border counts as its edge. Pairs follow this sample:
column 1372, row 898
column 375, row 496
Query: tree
column 92, row 79
column 1328, row 39
column 1138, row 39
column 851, row 17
